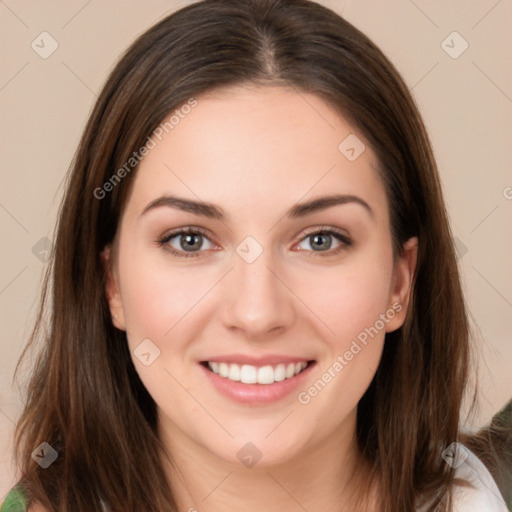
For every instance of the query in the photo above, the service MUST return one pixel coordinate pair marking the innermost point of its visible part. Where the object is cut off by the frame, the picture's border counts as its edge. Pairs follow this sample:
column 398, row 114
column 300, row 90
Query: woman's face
column 253, row 288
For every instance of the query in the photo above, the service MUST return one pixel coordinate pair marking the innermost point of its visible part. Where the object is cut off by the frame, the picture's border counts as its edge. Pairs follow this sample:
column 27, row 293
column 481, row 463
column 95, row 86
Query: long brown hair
column 85, row 397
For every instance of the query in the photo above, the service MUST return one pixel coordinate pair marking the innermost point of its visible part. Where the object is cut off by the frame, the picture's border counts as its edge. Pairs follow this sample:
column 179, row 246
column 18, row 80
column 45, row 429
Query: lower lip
column 256, row 393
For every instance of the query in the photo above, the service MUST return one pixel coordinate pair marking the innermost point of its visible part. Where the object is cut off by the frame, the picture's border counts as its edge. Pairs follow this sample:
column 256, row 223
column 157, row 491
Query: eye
column 186, row 243
column 189, row 242
column 322, row 239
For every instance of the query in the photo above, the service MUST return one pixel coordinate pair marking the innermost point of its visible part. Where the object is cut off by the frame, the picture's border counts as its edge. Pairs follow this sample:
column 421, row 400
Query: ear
column 403, row 282
column 112, row 289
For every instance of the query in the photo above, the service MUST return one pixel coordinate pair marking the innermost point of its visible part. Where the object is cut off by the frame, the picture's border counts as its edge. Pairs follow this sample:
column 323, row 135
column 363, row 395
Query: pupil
column 322, row 237
column 189, row 243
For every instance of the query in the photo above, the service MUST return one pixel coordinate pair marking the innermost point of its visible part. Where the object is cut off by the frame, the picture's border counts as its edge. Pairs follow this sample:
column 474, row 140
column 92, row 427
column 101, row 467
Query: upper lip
column 271, row 359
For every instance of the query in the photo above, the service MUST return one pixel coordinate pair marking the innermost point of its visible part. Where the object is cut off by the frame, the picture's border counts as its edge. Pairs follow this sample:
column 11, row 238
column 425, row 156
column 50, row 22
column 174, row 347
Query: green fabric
column 15, row 501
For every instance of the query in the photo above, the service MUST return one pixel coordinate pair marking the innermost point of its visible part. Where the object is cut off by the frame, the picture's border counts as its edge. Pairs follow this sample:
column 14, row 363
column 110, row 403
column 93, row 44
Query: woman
column 254, row 294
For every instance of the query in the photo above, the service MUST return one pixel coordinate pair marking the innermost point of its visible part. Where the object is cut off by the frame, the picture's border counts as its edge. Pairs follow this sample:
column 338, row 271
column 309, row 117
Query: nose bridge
column 258, row 299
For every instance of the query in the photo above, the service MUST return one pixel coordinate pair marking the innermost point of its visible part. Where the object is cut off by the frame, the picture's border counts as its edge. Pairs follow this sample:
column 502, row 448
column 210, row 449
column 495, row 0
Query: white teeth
column 249, row 374
column 223, row 369
column 266, row 375
column 234, row 372
column 280, row 372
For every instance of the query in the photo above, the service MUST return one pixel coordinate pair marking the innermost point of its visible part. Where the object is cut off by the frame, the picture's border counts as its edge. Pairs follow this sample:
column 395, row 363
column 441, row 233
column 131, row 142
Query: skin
column 256, row 152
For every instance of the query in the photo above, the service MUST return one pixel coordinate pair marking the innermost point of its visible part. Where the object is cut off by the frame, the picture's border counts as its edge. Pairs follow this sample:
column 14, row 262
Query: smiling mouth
column 249, row 374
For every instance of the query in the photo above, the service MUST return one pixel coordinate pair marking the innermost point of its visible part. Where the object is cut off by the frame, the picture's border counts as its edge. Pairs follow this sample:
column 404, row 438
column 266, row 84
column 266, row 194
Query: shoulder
column 482, row 493
column 16, row 501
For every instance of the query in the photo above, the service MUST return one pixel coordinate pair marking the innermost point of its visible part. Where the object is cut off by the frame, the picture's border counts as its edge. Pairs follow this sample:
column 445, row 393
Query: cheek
column 350, row 298
column 159, row 302
column 354, row 304
column 157, row 295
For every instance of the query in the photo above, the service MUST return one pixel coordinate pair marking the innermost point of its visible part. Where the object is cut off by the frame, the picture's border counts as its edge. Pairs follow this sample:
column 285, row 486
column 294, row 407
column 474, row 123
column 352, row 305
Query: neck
column 317, row 478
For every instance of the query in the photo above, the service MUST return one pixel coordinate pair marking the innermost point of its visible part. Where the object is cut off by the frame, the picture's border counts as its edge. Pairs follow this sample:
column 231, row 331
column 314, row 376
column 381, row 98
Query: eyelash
column 341, row 237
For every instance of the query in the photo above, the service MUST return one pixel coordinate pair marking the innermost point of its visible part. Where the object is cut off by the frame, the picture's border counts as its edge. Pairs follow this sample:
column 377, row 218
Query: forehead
column 241, row 147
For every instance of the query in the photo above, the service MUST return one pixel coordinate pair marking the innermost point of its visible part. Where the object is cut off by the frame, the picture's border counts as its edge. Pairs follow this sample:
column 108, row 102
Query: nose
column 259, row 301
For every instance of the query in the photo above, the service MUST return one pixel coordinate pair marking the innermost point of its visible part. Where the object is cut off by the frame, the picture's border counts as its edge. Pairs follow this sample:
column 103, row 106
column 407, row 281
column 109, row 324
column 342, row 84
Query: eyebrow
column 212, row 211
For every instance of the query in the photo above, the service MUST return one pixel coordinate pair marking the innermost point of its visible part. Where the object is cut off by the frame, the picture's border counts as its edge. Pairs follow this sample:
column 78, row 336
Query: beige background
column 466, row 103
